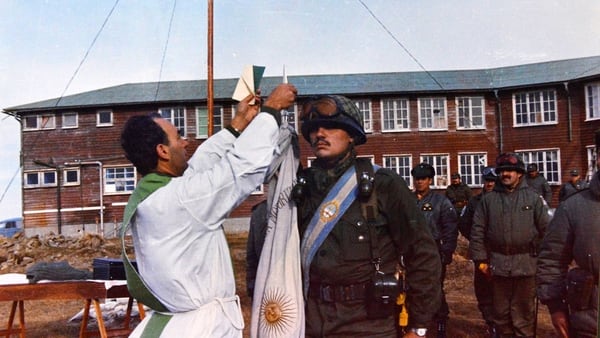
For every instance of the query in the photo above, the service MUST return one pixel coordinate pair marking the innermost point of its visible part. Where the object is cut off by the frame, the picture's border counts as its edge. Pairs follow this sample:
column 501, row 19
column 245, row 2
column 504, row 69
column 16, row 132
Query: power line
column 162, row 62
column 10, row 183
column 87, row 53
column 401, row 45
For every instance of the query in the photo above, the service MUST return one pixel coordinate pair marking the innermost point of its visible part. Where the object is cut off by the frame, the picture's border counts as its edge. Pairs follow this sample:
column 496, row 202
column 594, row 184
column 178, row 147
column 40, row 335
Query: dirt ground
column 51, row 318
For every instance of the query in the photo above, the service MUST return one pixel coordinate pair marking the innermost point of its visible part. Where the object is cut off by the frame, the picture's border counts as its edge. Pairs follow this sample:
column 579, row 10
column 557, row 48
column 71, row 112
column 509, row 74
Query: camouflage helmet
column 510, row 162
column 333, row 111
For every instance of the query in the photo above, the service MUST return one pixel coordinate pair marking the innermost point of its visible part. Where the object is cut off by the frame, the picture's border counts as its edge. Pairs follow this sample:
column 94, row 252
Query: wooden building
column 76, row 178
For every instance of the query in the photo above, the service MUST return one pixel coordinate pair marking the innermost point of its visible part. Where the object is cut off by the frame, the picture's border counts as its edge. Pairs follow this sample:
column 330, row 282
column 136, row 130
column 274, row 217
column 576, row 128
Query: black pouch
column 381, row 296
column 580, row 285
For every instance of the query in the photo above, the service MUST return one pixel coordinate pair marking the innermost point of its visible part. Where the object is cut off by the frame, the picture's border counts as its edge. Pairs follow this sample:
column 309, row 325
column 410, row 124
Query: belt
column 337, row 293
column 510, row 250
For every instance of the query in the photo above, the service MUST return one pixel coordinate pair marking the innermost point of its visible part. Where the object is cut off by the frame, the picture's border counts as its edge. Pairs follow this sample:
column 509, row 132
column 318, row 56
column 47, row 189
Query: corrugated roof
column 347, row 84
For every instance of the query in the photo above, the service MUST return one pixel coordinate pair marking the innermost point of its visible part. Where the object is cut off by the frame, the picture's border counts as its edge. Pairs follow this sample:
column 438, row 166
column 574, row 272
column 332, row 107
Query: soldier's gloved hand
column 485, row 270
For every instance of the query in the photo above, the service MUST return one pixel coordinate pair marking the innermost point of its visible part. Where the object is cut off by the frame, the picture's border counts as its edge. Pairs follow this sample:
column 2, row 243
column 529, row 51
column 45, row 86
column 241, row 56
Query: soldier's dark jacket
column 459, row 194
column 441, row 217
column 573, row 234
column 540, row 184
column 507, row 229
column 345, row 256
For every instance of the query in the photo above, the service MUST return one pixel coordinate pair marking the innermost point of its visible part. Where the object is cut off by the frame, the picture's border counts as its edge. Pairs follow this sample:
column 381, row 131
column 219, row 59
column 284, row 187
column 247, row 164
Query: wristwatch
column 421, row 332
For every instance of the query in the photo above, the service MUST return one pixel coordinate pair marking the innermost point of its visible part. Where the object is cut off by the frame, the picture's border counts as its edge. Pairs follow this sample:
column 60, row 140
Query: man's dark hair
column 139, row 139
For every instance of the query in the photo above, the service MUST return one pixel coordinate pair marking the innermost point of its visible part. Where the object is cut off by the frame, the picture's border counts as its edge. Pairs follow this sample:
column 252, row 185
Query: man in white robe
column 180, row 246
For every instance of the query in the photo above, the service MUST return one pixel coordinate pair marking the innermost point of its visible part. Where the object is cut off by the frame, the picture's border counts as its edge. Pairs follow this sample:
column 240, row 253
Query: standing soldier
column 571, row 293
column 458, row 193
column 538, row 182
column 442, row 220
column 481, row 282
column 351, row 246
column 569, row 188
column 508, row 226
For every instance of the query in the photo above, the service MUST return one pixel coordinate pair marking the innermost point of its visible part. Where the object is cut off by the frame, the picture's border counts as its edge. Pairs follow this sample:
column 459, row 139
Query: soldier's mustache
column 319, row 140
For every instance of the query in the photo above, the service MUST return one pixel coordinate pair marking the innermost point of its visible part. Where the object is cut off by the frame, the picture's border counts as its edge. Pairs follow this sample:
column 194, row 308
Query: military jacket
column 573, row 234
column 442, row 220
column 459, row 194
column 345, row 257
column 507, row 229
column 541, row 186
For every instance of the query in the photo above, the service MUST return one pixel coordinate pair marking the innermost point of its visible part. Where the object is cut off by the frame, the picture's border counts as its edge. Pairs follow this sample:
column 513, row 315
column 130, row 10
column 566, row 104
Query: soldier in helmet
column 481, row 283
column 442, row 220
column 571, row 291
column 356, row 222
column 538, row 182
column 508, row 225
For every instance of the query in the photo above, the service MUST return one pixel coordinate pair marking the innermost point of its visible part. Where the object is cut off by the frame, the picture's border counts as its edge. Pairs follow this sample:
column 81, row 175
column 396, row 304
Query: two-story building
column 76, row 178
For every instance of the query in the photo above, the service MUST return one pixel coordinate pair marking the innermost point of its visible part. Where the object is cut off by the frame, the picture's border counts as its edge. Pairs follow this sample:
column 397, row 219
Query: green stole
column 136, row 286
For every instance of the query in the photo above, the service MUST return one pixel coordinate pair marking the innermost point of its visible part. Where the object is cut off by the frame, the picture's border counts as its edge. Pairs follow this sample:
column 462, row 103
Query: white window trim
column 40, row 174
column 409, row 178
column 534, row 124
column 104, row 124
column 64, row 176
column 396, row 129
column 431, row 98
column 109, row 191
column 475, row 176
column 542, row 170
column 215, row 109
column 171, row 119
column 39, row 125
column 483, row 122
column 70, row 114
column 438, row 176
column 587, row 103
column 369, row 113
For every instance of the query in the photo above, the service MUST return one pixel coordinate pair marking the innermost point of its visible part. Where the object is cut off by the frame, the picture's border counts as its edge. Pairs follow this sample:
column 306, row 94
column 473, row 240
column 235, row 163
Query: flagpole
column 210, row 94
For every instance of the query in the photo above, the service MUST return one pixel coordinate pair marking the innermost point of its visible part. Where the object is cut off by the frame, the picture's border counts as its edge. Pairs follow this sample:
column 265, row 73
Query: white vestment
column 180, row 246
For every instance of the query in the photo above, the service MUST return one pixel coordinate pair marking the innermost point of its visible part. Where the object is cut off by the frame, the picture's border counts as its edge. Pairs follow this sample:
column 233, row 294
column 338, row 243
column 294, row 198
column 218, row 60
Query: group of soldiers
column 519, row 254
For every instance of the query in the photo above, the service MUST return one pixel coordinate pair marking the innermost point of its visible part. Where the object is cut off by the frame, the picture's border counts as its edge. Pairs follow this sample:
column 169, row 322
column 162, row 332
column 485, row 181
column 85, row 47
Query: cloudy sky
column 53, row 48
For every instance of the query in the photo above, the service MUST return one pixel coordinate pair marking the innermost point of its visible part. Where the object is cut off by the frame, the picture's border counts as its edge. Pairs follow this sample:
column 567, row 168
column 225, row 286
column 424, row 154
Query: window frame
column 401, row 115
column 65, row 174
column 131, row 181
column 204, row 123
column 39, row 122
column 552, row 173
column 402, row 170
column 592, row 104
column 365, row 107
column 177, row 116
column 470, row 172
column 41, row 179
column 528, row 114
column 63, row 120
column 433, row 104
column 470, row 118
column 592, row 157
column 100, row 113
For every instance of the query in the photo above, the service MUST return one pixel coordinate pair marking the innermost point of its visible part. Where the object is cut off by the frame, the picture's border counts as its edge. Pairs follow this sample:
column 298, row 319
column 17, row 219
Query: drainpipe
column 499, row 119
column 101, row 187
column 570, row 117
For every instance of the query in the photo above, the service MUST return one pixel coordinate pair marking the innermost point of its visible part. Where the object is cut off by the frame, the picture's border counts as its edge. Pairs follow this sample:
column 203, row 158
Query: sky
column 54, row 48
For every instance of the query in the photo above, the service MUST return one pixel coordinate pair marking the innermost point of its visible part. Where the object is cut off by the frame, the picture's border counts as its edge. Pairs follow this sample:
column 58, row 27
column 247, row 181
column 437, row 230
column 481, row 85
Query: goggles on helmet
column 322, row 108
column 489, row 171
column 507, row 159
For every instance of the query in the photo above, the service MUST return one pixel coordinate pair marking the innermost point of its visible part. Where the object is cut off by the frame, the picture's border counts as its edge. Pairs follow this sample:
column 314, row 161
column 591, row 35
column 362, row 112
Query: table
column 90, row 291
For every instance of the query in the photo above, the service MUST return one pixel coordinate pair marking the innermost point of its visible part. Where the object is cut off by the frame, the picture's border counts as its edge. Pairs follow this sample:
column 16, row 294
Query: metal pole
column 209, row 95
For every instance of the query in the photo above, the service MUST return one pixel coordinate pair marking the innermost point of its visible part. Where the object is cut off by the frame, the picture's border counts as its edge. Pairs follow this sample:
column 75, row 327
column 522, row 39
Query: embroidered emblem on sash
column 329, row 210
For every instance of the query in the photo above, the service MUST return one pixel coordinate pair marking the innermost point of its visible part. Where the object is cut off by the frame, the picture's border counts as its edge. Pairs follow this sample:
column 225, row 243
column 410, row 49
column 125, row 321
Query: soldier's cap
column 455, row 175
column 423, row 170
column 532, row 167
column 574, row 172
column 489, row 174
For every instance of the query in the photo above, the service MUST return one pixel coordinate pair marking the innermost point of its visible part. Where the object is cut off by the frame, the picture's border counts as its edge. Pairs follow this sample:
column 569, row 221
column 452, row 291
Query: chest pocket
column 356, row 238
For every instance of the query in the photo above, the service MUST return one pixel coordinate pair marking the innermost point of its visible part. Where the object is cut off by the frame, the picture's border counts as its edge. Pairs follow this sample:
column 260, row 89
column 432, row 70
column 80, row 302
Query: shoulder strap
column 368, row 206
column 137, row 288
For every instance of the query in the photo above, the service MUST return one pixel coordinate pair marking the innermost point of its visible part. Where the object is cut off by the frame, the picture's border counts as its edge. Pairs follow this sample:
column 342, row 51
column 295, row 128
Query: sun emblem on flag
column 278, row 313
column 329, row 210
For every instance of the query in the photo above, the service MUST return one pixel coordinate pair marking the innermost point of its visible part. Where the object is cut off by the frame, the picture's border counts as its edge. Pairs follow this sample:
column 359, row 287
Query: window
column 364, row 106
column 440, row 164
column 70, row 120
column 469, row 168
column 202, row 121
column 535, row 108
column 470, row 112
column 394, row 115
column 70, row 176
column 401, row 164
column 176, row 116
column 546, row 160
column 40, row 179
column 119, row 180
column 432, row 114
column 39, row 122
column 592, row 158
column 291, row 116
column 592, row 101
column 104, row 118
column 259, row 190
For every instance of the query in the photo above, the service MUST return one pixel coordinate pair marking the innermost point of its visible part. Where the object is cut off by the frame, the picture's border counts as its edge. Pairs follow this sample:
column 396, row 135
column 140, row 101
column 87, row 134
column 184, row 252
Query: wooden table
column 89, row 291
